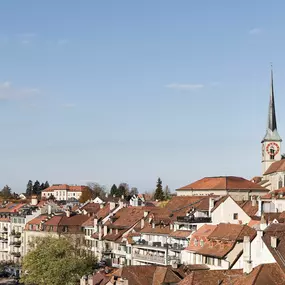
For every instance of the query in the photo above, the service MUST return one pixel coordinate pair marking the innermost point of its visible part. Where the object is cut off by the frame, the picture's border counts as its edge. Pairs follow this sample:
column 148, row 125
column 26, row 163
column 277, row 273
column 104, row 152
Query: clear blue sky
column 128, row 91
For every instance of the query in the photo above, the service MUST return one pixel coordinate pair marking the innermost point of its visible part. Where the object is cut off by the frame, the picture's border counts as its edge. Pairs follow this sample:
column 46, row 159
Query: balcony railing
column 16, row 254
column 16, row 243
column 3, row 239
column 4, row 230
column 150, row 258
column 151, row 244
column 185, row 219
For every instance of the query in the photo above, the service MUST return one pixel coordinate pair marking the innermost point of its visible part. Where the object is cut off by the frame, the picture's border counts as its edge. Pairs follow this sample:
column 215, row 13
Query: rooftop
column 223, row 183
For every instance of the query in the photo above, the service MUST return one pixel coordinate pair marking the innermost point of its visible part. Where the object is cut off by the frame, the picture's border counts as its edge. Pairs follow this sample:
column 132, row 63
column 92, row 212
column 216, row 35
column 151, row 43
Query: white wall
column 259, row 253
column 224, row 213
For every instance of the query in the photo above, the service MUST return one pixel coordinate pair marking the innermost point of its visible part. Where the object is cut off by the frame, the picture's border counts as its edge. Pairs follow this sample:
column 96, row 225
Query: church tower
column 271, row 143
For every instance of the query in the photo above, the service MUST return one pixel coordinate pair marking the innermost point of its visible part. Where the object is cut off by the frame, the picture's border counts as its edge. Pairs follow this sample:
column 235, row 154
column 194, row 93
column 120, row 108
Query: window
column 272, row 153
column 235, row 216
column 201, row 242
column 195, row 242
column 219, row 262
column 280, row 183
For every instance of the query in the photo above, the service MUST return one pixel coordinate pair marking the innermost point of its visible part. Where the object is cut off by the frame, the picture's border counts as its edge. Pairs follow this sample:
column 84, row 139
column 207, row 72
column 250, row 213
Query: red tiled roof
column 232, row 232
column 220, row 240
column 276, row 194
column 66, row 187
column 158, row 229
column 91, row 208
column 89, row 222
column 104, row 212
column 127, row 217
column 223, row 183
column 248, row 207
column 278, row 166
column 35, row 222
column 204, row 277
column 11, row 207
column 180, row 234
column 278, row 231
column 269, row 274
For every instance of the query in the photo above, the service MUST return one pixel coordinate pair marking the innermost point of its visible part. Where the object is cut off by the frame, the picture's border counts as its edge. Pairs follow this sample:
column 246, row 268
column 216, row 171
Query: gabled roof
column 208, row 277
column 278, row 231
column 91, row 208
column 220, row 239
column 149, row 274
column 269, row 274
column 277, row 166
column 223, row 183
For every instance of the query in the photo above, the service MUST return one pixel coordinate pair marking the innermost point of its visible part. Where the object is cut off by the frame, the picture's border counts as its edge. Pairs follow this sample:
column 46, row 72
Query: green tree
column 6, row 192
column 36, row 188
column 56, row 261
column 166, row 193
column 46, row 185
column 123, row 189
column 114, row 190
column 158, row 194
column 29, row 189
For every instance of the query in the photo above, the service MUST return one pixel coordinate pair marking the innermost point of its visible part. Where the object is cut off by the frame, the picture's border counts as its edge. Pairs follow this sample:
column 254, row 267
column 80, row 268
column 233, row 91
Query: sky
column 129, row 91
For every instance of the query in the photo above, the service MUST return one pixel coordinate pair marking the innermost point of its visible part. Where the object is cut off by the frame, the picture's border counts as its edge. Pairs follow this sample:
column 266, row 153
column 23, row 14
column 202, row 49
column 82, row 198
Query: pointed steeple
column 271, row 132
column 272, row 124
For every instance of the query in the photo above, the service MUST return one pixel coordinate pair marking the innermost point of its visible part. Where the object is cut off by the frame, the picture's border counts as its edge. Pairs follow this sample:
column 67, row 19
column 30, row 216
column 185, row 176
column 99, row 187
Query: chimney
column 112, row 206
column 253, row 201
column 263, row 224
column 247, row 262
column 273, row 242
column 67, row 212
column 211, row 204
column 34, row 200
column 259, row 212
column 142, row 223
column 49, row 209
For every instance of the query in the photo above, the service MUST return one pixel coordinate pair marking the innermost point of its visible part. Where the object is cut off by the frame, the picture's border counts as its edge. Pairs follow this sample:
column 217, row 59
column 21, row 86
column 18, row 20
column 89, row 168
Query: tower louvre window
column 272, row 153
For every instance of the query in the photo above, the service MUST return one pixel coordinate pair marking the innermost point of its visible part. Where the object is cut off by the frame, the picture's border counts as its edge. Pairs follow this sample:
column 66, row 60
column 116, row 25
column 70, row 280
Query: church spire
column 272, row 124
column 271, row 132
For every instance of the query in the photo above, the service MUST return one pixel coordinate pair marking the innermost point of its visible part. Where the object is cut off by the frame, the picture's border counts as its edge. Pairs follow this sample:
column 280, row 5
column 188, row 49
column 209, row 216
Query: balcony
column 3, row 239
column 107, row 251
column 16, row 254
column 194, row 220
column 176, row 247
column 15, row 234
column 150, row 258
column 4, row 230
column 144, row 243
column 16, row 243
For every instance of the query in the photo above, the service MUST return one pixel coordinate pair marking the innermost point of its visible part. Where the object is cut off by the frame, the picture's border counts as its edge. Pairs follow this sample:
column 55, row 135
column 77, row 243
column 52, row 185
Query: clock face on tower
column 272, row 149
